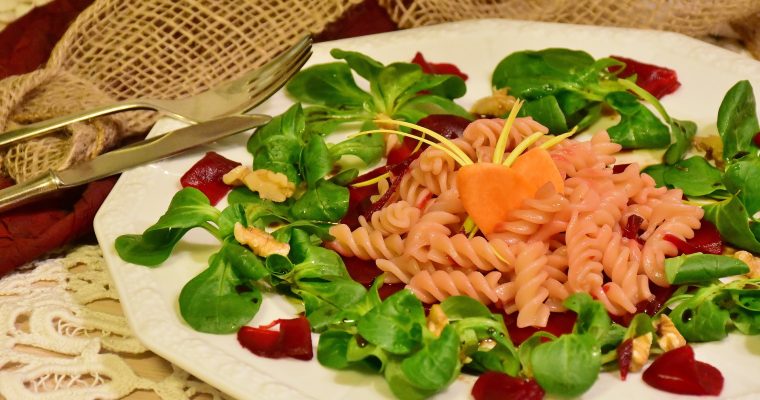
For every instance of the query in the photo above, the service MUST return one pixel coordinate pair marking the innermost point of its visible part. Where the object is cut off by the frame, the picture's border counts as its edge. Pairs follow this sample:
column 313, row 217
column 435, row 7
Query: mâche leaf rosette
column 496, row 228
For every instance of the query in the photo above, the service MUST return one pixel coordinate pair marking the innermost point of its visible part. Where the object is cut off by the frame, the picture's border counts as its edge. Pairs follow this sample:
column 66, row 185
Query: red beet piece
column 631, row 229
column 650, row 307
column 756, row 139
column 677, row 371
column 558, row 324
column 437, row 68
column 624, row 356
column 362, row 271
column 500, row 386
column 206, row 176
column 292, row 340
column 619, row 168
column 659, row 81
column 706, row 240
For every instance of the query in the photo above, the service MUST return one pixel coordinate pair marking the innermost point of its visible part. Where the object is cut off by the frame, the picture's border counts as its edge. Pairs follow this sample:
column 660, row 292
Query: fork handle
column 49, row 125
column 22, row 193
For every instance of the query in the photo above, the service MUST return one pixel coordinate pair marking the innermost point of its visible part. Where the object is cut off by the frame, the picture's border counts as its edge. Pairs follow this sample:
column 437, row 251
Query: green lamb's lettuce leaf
column 189, row 208
column 741, row 178
column 565, row 88
column 683, row 133
column 329, row 85
column 547, row 111
column 436, row 365
column 568, row 366
column 325, row 202
column 316, row 160
column 211, row 303
column 290, row 124
column 638, row 128
column 245, row 264
column 535, row 74
column 695, row 176
column 396, row 324
column 737, row 121
column 698, row 267
column 733, row 223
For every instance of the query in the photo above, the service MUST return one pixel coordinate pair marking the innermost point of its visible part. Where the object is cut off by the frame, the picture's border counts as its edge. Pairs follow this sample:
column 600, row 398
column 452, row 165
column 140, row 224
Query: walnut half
column 262, row 243
column 269, row 184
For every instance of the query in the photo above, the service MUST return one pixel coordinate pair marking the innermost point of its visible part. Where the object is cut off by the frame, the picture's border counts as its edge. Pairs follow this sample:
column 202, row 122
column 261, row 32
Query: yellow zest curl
column 501, row 144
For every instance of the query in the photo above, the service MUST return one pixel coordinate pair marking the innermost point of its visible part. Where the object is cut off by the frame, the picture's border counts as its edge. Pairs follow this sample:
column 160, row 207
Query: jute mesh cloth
column 164, row 49
column 119, row 49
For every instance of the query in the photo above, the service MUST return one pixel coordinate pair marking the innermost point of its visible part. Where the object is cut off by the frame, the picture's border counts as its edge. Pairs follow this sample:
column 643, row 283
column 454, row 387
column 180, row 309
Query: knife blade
column 150, row 150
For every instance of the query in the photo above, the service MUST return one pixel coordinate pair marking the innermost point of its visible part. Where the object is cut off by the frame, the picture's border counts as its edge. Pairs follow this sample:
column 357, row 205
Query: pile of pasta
column 556, row 244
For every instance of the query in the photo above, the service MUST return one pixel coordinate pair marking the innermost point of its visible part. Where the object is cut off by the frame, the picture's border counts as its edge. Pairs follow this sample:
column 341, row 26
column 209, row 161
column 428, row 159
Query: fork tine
column 259, row 94
column 285, row 57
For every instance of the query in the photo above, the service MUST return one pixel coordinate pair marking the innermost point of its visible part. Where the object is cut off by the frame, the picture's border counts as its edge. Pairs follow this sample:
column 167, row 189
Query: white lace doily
column 57, row 342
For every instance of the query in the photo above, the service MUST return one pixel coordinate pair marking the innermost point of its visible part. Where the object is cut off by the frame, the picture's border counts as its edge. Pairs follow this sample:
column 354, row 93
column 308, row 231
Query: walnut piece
column 235, row 176
column 262, row 243
column 640, row 355
column 437, row 320
column 752, row 261
column 496, row 105
column 269, row 184
column 669, row 338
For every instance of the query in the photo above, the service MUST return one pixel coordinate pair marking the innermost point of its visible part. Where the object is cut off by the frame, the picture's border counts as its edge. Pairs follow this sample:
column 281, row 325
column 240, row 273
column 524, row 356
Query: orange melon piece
column 490, row 191
column 536, row 166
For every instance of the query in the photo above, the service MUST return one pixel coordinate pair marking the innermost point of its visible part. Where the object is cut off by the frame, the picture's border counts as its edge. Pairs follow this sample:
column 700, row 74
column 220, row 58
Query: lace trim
column 54, row 344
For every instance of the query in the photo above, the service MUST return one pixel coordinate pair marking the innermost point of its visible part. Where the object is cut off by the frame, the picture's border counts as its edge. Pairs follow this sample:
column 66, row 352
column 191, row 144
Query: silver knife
column 116, row 161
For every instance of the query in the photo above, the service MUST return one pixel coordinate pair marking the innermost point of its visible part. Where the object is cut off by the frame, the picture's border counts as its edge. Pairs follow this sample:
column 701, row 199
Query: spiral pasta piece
column 431, row 287
column 394, row 219
column 364, row 243
column 530, row 277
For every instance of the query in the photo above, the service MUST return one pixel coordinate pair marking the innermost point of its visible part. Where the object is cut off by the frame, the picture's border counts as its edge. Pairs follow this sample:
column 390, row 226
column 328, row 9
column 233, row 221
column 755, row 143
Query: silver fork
column 230, row 97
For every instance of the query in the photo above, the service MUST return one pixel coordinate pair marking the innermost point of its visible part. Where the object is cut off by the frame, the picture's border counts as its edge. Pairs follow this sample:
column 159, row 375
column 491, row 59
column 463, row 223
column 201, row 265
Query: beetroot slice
column 677, row 371
column 500, row 386
column 706, row 240
column 206, row 176
column 624, row 356
column 292, row 340
column 437, row 68
column 659, row 81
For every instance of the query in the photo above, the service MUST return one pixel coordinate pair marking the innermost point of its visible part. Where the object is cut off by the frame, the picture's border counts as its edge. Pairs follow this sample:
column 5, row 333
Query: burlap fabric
column 120, row 49
column 165, row 49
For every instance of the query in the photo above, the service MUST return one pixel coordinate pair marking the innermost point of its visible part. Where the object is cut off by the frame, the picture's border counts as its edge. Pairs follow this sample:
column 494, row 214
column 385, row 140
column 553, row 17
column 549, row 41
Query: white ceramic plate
column 149, row 296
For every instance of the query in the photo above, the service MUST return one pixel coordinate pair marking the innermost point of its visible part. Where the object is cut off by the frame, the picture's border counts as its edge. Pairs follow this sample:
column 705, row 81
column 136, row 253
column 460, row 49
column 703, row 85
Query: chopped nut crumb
column 269, row 184
column 640, row 355
column 262, row 243
column 496, row 105
column 712, row 146
column 752, row 261
column 437, row 320
column 669, row 338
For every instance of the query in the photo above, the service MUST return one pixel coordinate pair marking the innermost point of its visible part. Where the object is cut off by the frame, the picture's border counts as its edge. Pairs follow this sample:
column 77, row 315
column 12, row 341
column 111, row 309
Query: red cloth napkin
column 30, row 232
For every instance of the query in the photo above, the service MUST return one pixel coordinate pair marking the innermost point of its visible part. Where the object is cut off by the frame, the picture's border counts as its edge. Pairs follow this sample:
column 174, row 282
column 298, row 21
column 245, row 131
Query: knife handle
column 22, row 193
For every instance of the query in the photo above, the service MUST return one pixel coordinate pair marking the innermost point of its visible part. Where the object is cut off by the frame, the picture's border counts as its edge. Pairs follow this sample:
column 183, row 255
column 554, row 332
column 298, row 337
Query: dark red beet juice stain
column 206, row 176
column 677, row 371
column 500, row 386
